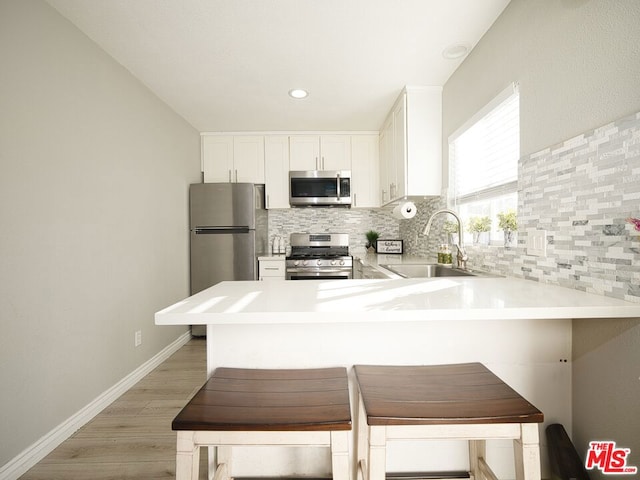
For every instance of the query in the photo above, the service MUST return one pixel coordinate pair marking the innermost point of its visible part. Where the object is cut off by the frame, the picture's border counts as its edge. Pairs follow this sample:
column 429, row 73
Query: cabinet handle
column 267, row 201
column 229, row 176
column 317, row 164
column 355, row 199
column 272, row 268
column 322, row 163
column 384, row 192
column 236, row 176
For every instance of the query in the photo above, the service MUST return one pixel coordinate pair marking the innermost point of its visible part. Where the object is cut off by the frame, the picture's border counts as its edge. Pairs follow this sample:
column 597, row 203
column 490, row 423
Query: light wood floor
column 132, row 438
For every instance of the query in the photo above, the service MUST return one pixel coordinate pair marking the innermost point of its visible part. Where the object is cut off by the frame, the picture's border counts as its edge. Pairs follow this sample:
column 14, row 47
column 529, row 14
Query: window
column 483, row 159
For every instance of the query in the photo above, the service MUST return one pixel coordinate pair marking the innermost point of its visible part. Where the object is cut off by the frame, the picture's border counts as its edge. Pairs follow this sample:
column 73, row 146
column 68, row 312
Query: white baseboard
column 40, row 449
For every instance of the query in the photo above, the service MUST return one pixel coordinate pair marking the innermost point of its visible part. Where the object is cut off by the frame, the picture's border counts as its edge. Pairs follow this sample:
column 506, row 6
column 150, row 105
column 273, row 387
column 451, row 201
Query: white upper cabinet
column 365, row 183
column 320, row 152
column 335, row 152
column 217, row 158
column 411, row 146
column 233, row 158
column 267, row 158
column 304, row 152
column 248, row 158
column 387, row 172
column 276, row 160
column 398, row 172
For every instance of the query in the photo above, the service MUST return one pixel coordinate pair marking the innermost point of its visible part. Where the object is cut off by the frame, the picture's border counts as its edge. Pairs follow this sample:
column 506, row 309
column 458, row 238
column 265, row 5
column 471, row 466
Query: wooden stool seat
column 301, row 407
column 464, row 401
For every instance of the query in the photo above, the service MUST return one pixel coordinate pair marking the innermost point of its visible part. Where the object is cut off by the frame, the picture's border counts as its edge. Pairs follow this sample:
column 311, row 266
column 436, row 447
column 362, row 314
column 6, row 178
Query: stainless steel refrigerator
column 228, row 231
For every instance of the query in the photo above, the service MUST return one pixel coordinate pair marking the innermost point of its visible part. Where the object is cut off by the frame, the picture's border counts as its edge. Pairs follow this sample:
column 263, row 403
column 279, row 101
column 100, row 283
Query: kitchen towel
column 405, row 210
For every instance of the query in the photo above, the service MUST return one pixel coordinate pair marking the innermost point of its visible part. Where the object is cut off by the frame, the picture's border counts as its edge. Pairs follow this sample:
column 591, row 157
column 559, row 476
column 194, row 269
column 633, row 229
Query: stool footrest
column 427, row 475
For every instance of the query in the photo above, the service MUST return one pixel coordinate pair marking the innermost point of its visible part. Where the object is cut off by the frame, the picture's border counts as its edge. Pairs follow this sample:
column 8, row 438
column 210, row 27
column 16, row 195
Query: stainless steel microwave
column 321, row 188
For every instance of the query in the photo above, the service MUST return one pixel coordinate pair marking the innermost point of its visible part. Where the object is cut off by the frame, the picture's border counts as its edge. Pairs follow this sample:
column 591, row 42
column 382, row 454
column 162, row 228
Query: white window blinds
column 484, row 152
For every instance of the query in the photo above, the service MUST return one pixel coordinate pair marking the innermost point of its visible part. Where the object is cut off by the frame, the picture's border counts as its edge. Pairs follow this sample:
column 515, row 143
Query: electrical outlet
column 138, row 338
column 537, row 243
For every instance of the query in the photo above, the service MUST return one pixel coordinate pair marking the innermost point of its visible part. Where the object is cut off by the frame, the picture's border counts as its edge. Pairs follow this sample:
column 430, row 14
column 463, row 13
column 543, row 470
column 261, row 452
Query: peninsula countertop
column 389, row 300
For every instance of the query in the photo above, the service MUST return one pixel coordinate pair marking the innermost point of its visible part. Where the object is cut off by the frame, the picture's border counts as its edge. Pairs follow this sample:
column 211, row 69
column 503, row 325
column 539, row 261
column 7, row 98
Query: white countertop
column 272, row 256
column 389, row 300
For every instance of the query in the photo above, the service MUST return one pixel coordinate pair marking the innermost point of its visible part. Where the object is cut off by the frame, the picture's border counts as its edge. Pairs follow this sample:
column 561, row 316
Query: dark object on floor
column 564, row 460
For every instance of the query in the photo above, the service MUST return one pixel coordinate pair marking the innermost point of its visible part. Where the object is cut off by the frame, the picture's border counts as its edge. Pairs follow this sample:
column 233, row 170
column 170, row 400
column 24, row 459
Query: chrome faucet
column 462, row 256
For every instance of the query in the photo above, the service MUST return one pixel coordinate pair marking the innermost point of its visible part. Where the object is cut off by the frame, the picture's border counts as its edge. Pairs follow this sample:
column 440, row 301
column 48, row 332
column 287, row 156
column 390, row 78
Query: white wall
column 578, row 65
column 94, row 174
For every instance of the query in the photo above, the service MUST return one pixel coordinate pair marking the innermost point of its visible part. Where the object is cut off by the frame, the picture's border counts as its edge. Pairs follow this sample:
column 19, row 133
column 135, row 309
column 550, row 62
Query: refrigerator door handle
column 220, row 230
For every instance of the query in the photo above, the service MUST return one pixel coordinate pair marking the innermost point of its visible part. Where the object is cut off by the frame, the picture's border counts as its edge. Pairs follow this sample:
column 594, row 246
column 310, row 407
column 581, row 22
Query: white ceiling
column 227, row 65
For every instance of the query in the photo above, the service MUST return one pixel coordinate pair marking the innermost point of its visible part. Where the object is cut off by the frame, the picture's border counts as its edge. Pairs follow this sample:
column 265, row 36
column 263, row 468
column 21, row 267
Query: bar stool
column 443, row 402
column 255, row 407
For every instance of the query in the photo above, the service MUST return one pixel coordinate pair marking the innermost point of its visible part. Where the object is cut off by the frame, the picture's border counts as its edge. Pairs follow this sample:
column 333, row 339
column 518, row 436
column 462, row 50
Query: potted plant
column 372, row 238
column 508, row 223
column 451, row 229
column 478, row 225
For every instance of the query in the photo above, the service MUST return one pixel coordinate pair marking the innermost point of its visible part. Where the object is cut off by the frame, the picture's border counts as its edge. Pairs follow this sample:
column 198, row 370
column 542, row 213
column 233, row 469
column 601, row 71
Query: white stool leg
column 187, row 456
column 477, row 450
column 223, row 463
column 340, row 455
column 377, row 458
column 527, row 453
column 362, row 445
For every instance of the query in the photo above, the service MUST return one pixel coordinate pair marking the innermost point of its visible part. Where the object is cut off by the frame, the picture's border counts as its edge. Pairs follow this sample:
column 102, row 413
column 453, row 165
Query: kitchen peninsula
column 520, row 329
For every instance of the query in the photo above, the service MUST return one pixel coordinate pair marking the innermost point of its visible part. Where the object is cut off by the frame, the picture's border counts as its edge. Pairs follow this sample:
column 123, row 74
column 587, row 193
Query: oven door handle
column 323, row 271
column 338, row 189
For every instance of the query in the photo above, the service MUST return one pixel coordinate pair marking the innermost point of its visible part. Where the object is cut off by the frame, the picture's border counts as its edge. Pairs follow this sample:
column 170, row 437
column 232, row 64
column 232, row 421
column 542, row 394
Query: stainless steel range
column 319, row 256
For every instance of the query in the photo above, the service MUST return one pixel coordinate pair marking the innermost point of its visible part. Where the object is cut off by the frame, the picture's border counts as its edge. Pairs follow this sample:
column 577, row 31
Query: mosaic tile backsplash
column 580, row 191
column 356, row 222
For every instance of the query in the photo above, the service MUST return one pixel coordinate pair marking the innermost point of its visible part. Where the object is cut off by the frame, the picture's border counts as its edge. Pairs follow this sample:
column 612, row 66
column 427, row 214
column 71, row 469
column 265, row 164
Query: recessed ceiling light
column 298, row 93
column 453, row 52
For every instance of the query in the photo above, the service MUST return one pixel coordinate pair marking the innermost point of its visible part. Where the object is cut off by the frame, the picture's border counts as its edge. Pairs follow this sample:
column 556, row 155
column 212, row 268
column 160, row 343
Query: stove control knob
column 296, row 263
column 304, row 263
column 341, row 262
column 333, row 262
column 319, row 262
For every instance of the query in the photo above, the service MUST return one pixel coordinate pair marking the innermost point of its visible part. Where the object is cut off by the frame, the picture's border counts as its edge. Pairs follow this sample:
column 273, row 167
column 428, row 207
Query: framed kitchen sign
column 389, row 246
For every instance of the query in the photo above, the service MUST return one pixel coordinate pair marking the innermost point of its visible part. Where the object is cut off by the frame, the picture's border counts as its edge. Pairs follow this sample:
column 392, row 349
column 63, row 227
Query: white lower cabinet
column 271, row 268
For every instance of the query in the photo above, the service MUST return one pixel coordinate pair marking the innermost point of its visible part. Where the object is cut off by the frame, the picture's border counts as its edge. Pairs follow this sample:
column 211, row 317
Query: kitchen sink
column 426, row 270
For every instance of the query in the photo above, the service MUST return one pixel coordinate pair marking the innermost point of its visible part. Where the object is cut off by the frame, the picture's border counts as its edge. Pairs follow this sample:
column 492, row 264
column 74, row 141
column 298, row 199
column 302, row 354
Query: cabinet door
column 365, row 185
column 217, row 158
column 335, row 152
column 386, row 160
column 271, row 270
column 248, row 159
column 398, row 181
column 276, row 160
column 304, row 152
column 424, row 141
